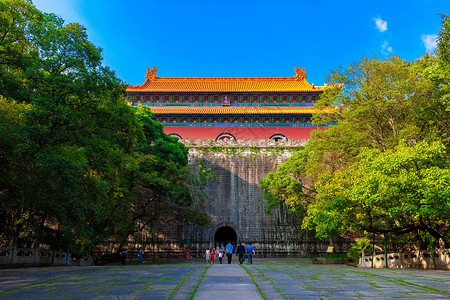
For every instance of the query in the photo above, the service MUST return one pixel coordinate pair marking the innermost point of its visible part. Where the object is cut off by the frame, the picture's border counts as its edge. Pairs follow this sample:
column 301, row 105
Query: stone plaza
column 288, row 278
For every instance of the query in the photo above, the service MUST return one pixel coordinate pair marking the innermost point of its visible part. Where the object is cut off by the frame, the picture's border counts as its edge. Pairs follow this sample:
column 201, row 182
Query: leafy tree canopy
column 384, row 166
column 78, row 165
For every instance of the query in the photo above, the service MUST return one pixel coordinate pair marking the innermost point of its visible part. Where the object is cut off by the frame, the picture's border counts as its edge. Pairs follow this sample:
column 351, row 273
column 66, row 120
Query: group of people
column 218, row 253
column 211, row 256
column 123, row 254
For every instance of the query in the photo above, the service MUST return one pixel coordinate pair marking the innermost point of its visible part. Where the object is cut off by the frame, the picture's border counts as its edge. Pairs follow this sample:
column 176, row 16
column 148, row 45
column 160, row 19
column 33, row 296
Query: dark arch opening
column 224, row 235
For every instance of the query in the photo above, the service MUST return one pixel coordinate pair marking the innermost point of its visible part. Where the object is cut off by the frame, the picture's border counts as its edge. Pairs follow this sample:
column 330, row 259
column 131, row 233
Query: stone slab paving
column 299, row 279
column 108, row 282
column 273, row 278
column 227, row 281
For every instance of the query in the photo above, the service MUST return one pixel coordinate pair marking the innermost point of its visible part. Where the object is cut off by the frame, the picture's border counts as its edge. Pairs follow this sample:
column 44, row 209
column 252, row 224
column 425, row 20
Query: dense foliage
column 78, row 165
column 385, row 166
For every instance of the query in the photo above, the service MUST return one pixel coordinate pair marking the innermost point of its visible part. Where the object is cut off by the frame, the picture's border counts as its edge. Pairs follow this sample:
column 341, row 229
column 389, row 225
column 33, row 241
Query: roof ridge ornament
column 151, row 75
column 300, row 75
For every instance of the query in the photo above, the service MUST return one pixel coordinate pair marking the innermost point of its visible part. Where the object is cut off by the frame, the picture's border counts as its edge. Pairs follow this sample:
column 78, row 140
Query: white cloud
column 430, row 41
column 386, row 49
column 381, row 25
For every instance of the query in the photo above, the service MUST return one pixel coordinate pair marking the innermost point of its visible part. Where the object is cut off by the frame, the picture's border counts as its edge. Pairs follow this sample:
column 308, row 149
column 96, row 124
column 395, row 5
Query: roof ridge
column 225, row 79
column 297, row 83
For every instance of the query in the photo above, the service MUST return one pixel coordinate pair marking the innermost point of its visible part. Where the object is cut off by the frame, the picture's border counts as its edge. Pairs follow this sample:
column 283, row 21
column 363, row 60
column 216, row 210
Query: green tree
column 383, row 108
column 73, row 154
column 402, row 190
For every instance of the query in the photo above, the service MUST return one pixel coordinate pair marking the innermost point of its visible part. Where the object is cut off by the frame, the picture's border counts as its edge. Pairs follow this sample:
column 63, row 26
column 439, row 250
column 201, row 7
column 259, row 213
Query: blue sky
column 250, row 38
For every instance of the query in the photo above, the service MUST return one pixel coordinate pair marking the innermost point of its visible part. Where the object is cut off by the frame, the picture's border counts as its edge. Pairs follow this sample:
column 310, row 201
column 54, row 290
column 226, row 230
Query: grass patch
column 180, row 284
column 271, row 281
column 254, row 282
column 200, row 281
column 33, row 285
column 335, row 255
column 405, row 283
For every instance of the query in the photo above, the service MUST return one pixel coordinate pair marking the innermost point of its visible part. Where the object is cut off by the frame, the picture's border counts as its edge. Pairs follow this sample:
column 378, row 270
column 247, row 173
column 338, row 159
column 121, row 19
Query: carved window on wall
column 225, row 137
column 278, row 138
column 176, row 135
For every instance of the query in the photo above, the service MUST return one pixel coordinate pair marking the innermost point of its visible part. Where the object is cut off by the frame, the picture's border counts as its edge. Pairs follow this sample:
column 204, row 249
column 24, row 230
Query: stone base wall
column 236, row 200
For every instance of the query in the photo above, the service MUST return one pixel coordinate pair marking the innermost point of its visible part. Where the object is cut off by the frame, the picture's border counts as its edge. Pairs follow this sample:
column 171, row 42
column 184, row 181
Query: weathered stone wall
column 235, row 199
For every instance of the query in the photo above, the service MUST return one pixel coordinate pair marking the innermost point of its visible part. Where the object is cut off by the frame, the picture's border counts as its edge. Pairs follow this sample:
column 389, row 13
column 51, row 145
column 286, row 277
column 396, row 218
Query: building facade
column 230, row 108
column 251, row 125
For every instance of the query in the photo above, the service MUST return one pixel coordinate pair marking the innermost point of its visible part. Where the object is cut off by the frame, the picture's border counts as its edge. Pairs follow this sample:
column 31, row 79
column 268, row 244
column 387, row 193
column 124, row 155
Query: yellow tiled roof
column 223, row 110
column 297, row 83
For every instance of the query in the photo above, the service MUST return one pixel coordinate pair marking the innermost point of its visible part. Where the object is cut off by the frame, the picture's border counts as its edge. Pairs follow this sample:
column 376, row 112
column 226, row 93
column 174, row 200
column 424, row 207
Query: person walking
column 213, row 256
column 188, row 253
column 140, row 256
column 220, row 256
column 250, row 251
column 229, row 252
column 240, row 251
column 208, row 255
column 123, row 254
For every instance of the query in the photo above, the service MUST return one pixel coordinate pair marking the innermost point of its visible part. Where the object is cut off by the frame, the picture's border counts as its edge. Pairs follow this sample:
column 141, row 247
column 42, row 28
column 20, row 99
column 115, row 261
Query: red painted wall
column 241, row 133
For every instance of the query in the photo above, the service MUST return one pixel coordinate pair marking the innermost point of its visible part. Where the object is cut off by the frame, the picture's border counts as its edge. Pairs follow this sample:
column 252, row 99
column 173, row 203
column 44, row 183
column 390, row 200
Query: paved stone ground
column 266, row 278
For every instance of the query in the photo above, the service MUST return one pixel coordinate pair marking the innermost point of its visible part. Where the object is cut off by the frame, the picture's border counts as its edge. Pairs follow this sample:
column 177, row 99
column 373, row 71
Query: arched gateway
column 224, row 235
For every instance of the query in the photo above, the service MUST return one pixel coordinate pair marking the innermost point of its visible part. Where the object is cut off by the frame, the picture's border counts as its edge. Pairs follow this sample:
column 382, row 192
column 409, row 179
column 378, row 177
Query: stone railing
column 36, row 257
column 409, row 260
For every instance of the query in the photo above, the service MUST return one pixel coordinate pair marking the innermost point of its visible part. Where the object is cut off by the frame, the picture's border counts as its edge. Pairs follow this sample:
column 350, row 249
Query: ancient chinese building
column 230, row 108
column 251, row 125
